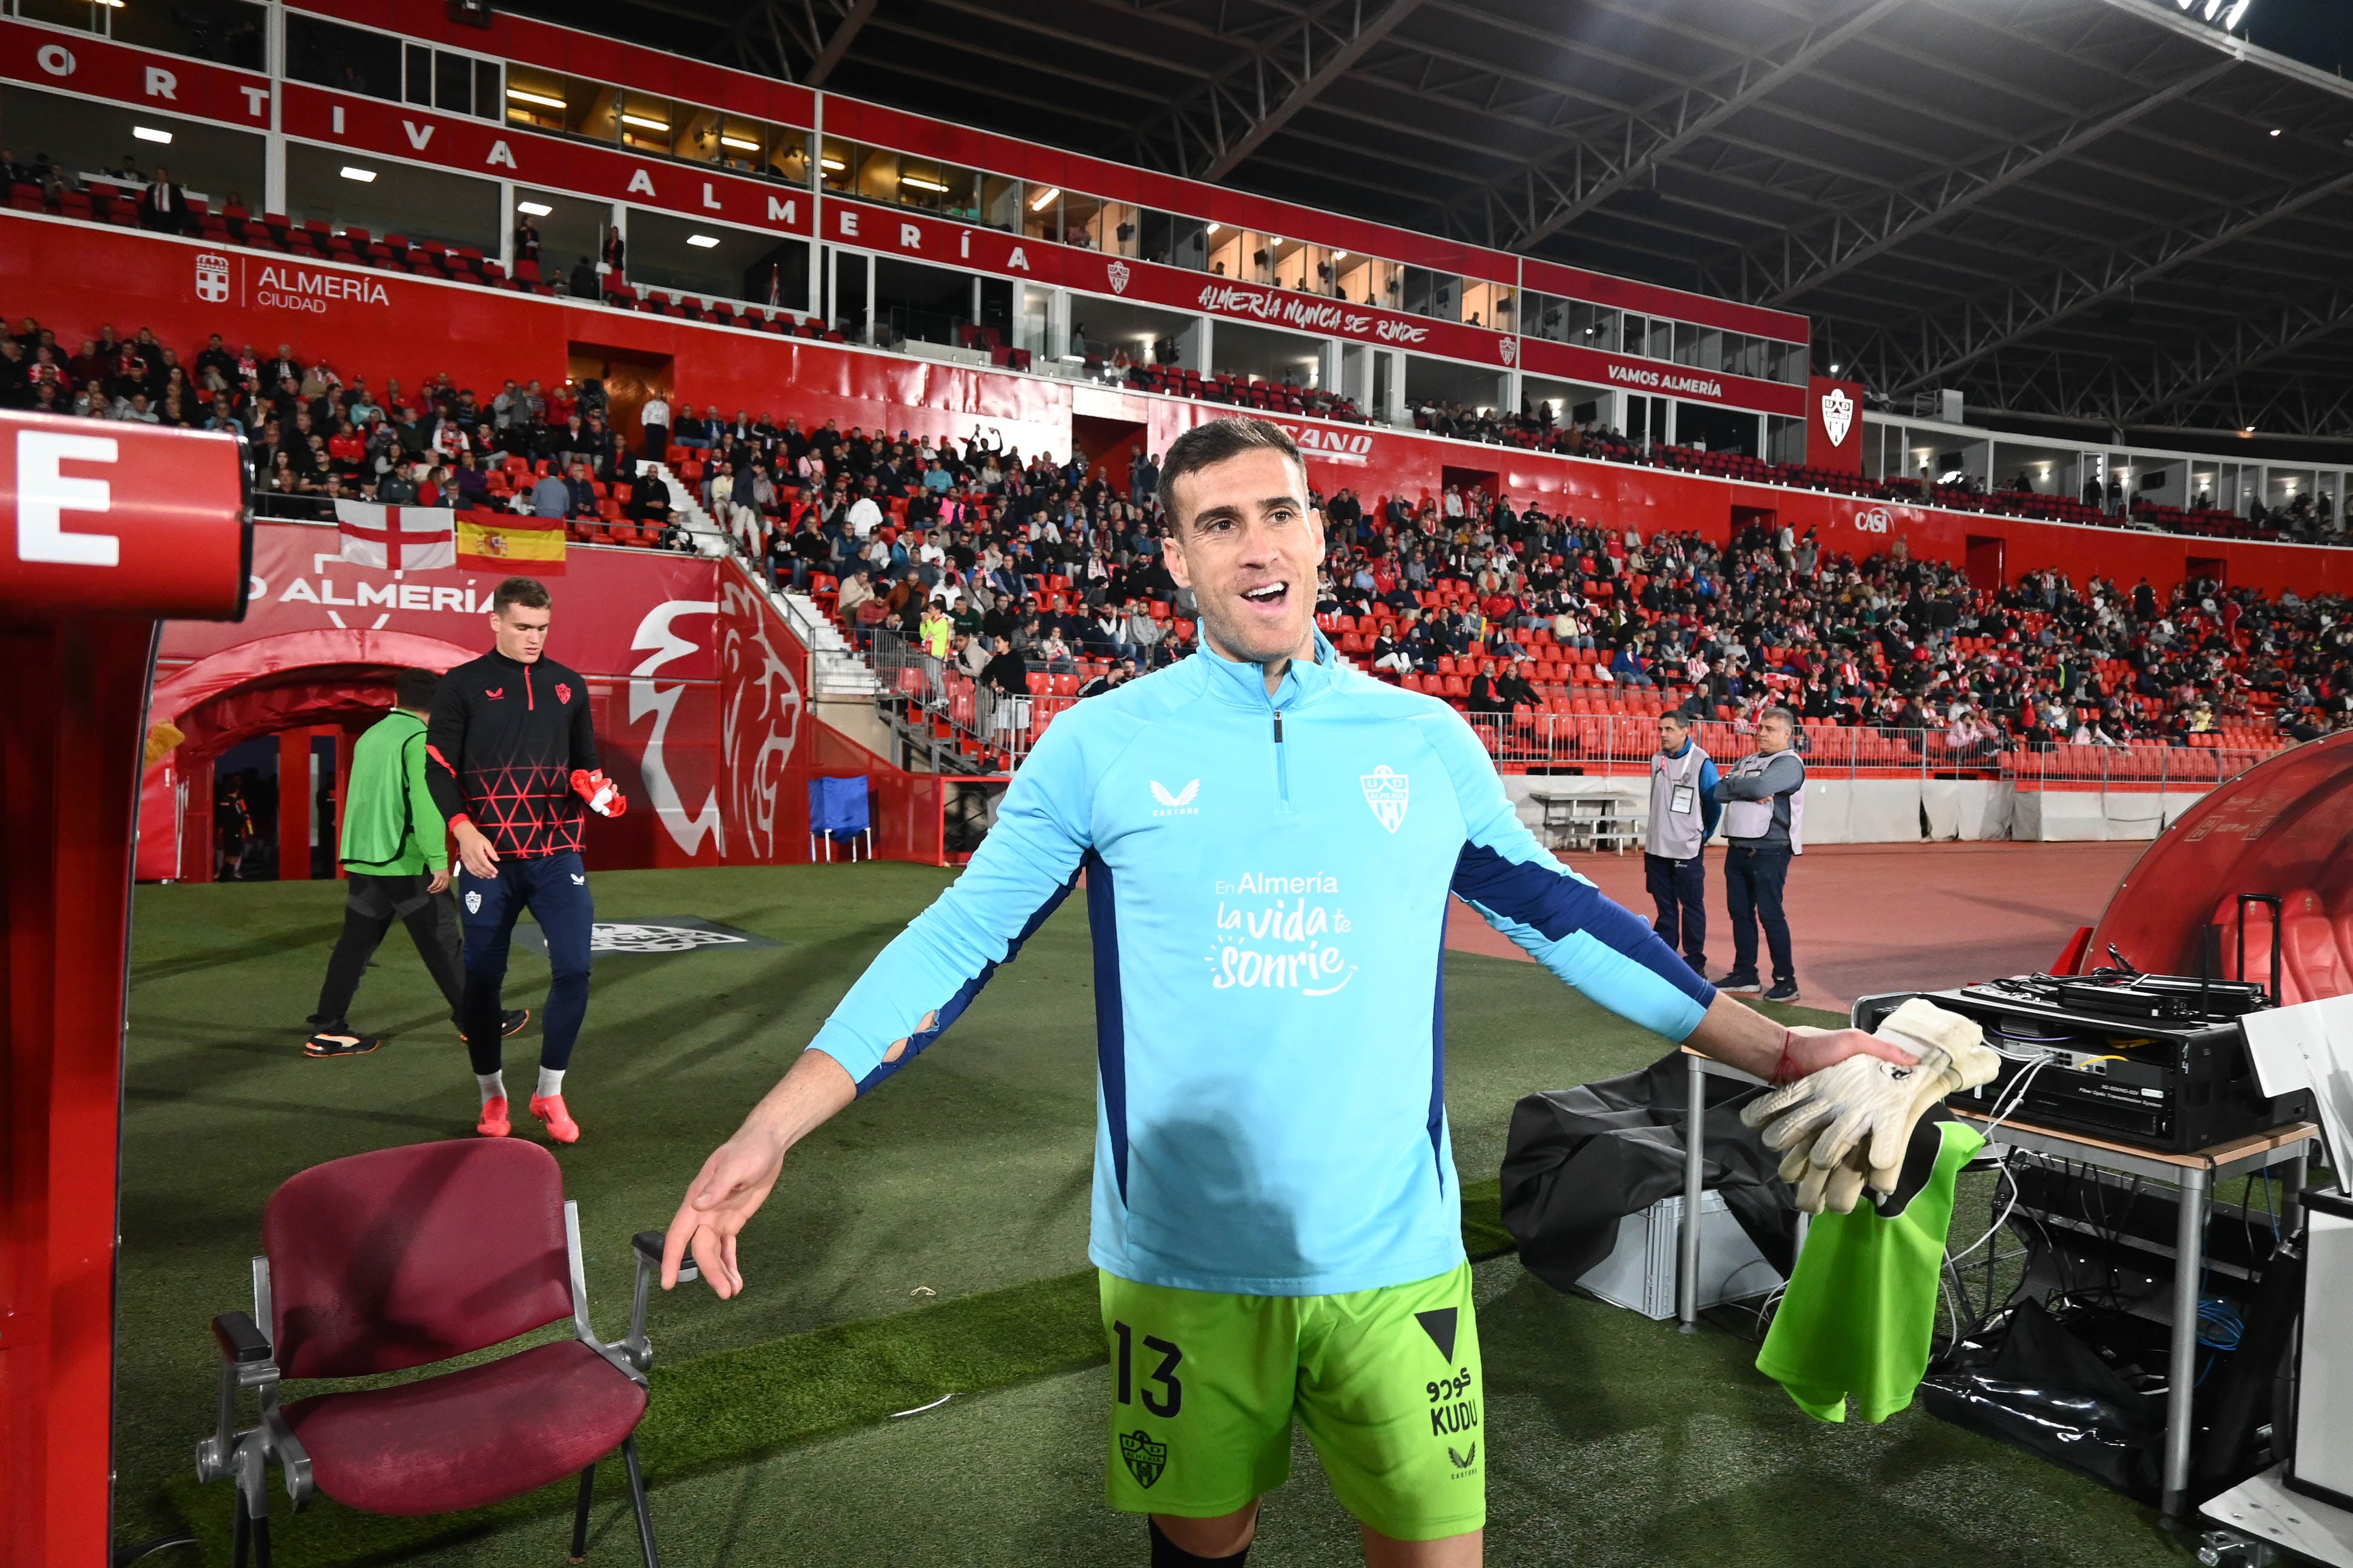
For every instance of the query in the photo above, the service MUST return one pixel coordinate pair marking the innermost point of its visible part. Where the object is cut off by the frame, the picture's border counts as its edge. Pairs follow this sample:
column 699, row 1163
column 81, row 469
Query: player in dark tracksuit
column 513, row 769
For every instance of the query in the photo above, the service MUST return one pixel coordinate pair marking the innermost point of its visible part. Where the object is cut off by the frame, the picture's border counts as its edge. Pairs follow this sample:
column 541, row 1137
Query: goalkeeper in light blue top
column 1268, row 842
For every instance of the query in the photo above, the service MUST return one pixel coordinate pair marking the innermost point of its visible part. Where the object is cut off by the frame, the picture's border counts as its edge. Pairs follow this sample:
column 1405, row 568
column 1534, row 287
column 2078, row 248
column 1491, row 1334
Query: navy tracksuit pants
column 554, row 888
column 1679, row 892
column 1753, row 880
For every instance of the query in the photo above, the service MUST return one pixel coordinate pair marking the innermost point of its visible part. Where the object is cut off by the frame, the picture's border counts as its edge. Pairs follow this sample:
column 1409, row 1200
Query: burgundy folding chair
column 399, row 1259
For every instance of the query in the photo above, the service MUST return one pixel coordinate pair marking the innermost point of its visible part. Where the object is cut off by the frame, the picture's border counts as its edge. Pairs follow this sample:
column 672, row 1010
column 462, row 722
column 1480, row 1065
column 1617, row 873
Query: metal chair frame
column 247, row 1361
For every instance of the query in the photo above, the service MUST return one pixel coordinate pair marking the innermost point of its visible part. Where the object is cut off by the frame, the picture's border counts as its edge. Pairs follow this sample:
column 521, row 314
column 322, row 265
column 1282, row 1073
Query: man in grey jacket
column 1764, row 799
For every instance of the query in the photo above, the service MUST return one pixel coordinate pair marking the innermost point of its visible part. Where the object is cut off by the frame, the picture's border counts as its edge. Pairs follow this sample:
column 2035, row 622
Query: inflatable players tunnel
column 2282, row 829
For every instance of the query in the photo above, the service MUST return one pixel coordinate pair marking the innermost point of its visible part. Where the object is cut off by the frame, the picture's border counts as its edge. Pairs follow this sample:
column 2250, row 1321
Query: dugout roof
column 2095, row 208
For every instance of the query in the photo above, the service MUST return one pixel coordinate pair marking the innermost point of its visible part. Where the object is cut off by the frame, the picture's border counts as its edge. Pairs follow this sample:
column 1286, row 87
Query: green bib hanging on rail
column 1861, row 1310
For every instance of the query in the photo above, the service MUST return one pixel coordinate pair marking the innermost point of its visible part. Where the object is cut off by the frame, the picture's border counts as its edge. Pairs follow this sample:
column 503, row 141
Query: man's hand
column 603, row 795
column 738, row 1175
column 440, row 882
column 1848, row 1123
column 1737, row 1034
column 1810, row 1050
column 475, row 851
column 733, row 1185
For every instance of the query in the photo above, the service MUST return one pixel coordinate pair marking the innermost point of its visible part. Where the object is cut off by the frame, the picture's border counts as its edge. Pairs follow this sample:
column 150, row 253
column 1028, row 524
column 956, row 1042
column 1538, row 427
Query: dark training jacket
column 504, row 739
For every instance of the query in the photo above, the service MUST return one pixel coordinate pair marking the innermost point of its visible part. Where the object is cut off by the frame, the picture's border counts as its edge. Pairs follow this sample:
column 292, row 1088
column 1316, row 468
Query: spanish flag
column 503, row 541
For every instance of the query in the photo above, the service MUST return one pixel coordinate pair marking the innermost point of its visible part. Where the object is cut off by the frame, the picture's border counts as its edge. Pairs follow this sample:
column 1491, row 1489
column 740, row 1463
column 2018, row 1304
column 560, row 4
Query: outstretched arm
column 1605, row 950
column 913, row 990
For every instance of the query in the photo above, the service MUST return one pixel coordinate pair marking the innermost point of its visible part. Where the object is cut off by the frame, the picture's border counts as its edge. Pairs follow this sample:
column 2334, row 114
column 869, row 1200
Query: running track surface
column 1867, row 917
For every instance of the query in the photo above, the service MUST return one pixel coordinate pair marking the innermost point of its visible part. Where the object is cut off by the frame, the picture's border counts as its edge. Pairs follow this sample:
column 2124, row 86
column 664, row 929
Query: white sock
column 494, row 1085
column 550, row 1081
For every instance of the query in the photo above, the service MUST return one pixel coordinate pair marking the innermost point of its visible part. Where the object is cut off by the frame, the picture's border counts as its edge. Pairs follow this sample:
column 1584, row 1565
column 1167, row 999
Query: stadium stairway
column 709, row 539
column 838, row 672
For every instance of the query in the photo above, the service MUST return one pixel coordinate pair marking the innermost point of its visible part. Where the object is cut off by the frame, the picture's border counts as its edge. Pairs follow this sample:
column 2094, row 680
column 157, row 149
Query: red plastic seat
column 2308, row 949
column 2259, row 939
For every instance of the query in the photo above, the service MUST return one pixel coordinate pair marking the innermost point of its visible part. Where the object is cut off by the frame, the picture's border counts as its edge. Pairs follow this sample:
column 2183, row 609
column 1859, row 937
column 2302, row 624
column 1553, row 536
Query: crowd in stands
column 1010, row 568
column 1524, row 610
column 123, row 193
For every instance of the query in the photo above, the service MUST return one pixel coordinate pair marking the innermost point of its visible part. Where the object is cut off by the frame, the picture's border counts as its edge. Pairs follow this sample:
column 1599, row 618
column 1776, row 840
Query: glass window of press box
column 1429, row 293
column 354, row 59
column 1573, row 322
column 650, row 123
column 219, row 164
column 715, row 262
column 225, row 32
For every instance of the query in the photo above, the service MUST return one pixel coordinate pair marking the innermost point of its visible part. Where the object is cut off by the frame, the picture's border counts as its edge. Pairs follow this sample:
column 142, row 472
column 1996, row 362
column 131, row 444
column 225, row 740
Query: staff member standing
column 653, row 418
column 396, row 856
column 514, row 769
column 1684, row 811
column 1764, row 797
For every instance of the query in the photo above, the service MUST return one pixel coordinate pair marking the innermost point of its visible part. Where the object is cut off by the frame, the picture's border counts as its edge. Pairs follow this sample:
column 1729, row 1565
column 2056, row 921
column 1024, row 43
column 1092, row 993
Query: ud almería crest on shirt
column 1386, row 792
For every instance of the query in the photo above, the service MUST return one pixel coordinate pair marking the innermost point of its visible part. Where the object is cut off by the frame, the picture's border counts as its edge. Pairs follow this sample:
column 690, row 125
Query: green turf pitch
column 958, row 1194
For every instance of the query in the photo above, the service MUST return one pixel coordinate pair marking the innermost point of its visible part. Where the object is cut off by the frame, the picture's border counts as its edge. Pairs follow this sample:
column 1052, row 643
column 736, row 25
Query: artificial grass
column 733, row 1406
column 1614, row 1441
column 967, row 1177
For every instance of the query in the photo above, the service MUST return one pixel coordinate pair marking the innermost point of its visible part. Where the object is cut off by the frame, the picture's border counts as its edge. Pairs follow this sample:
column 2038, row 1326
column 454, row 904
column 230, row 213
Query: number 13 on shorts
column 1205, row 1386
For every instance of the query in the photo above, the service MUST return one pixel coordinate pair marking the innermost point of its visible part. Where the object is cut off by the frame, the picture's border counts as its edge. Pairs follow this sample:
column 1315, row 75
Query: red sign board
column 301, row 583
column 1658, row 378
column 1834, row 425
column 79, row 62
column 119, row 518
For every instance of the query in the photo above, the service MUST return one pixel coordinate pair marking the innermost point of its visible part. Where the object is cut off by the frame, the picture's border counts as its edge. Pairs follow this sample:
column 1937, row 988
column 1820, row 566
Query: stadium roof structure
column 2094, row 209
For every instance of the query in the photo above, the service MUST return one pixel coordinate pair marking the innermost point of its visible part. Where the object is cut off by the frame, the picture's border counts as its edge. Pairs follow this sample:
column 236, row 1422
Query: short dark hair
column 1205, row 445
column 529, row 592
column 414, row 690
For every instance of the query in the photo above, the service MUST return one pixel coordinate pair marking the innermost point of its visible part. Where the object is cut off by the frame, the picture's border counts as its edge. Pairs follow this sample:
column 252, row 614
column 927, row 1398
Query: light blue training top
column 1267, row 879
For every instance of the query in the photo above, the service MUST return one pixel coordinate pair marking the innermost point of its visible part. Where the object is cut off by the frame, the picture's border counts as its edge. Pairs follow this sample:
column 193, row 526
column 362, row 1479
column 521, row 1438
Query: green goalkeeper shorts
column 1205, row 1387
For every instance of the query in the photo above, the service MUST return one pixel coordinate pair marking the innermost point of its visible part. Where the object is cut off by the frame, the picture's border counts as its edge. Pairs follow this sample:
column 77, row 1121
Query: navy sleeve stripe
column 1437, row 1062
column 955, row 1005
column 1558, row 906
column 1111, row 1011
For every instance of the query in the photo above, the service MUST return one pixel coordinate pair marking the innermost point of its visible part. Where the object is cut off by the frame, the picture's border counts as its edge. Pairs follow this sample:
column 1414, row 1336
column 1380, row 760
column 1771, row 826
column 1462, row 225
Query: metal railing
column 2134, row 767
column 1612, row 743
column 1609, row 745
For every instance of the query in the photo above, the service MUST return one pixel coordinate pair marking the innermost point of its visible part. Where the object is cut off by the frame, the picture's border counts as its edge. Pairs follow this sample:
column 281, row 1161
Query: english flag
column 398, row 537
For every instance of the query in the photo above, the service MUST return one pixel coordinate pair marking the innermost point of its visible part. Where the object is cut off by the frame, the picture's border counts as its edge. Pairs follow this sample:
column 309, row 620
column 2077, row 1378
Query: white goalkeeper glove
column 1851, row 1123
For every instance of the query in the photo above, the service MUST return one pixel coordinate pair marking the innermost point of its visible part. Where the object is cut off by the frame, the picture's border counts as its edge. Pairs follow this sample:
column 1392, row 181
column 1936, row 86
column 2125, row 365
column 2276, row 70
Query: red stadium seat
column 2316, row 968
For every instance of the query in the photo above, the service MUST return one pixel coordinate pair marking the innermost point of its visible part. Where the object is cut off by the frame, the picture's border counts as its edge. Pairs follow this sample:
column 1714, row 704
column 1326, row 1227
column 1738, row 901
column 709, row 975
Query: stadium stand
column 60, row 193
column 1531, row 623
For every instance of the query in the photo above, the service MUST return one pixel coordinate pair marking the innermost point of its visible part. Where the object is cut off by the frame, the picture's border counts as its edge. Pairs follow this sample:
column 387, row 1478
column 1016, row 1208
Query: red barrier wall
column 75, row 276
